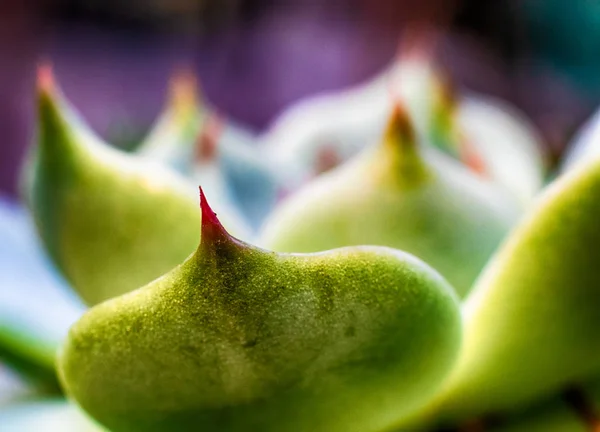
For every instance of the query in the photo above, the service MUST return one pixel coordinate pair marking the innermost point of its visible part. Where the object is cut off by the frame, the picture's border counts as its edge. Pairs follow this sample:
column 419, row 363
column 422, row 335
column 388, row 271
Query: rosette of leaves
column 233, row 337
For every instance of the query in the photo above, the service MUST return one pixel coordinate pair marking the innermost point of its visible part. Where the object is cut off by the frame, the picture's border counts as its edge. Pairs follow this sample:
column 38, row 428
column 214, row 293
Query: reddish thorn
column 45, row 77
column 213, row 234
column 471, row 159
column 419, row 41
column 209, row 217
column 207, row 142
column 212, row 229
column 327, row 159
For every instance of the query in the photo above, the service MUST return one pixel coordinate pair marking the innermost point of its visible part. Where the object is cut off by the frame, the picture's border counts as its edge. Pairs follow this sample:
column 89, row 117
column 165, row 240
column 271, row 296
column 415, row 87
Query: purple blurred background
column 255, row 57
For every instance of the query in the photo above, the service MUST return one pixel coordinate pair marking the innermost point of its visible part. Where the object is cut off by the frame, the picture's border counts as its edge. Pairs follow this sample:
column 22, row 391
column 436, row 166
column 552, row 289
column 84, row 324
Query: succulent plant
column 403, row 195
column 95, row 204
column 490, row 136
column 531, row 320
column 200, row 143
column 193, row 329
column 486, row 134
column 172, row 137
column 238, row 338
column 321, row 132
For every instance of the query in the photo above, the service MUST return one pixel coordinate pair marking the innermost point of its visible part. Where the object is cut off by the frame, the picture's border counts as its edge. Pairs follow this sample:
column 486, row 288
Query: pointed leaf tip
column 471, row 158
column 56, row 132
column 400, row 130
column 212, row 229
column 446, row 90
column 208, row 140
column 183, row 89
column 327, row 158
column 208, row 215
column 443, row 125
column 402, row 150
column 45, row 77
column 418, row 42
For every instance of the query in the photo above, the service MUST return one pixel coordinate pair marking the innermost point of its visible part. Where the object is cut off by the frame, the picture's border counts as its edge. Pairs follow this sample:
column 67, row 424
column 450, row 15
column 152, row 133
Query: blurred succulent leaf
column 111, row 221
column 531, row 320
column 506, row 143
column 402, row 195
column 193, row 138
column 489, row 136
column 172, row 138
column 236, row 161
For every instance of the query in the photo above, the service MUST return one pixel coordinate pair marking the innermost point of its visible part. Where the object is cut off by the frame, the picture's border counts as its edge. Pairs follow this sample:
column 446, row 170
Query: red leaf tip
column 472, row 159
column 211, row 226
column 327, row 158
column 418, row 42
column 208, row 215
column 45, row 77
column 208, row 140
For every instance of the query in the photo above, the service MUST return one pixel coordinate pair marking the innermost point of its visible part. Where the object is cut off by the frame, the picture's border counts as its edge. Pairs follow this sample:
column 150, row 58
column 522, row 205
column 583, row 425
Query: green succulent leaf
column 402, row 195
column 242, row 339
column 531, row 322
column 110, row 221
